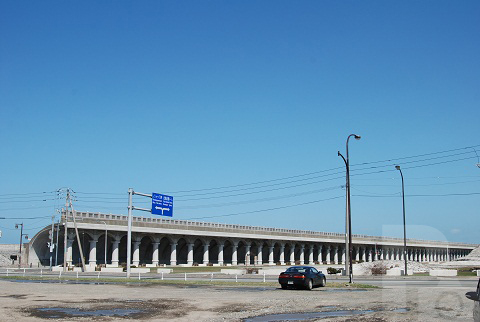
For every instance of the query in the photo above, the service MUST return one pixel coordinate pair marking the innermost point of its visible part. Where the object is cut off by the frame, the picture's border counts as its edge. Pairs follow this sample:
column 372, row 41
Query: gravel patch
column 20, row 302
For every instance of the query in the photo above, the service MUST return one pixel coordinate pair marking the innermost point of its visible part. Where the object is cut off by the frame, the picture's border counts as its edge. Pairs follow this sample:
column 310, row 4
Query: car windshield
column 297, row 270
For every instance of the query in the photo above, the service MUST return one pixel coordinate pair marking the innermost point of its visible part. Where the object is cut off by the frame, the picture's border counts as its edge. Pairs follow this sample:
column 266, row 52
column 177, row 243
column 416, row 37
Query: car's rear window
column 296, row 270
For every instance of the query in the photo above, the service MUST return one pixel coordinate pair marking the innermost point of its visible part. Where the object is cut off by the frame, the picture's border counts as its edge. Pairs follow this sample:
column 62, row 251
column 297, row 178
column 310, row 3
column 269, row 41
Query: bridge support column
column 155, row 253
column 320, row 255
column 270, row 255
column 343, row 255
column 247, row 255
column 328, row 255
column 310, row 255
column 115, row 245
column 234, row 254
column 136, row 253
column 220, row 254
column 92, row 260
column 292, row 255
column 302, row 255
column 282, row 254
column 205, row 254
column 173, row 254
column 190, row 254
column 335, row 255
column 260, row 254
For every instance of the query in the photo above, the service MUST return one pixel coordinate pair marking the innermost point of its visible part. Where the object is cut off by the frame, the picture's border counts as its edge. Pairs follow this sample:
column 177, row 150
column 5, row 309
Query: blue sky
column 169, row 97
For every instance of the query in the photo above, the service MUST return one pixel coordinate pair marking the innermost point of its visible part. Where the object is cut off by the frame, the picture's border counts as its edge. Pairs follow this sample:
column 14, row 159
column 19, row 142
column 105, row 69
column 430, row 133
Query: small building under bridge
column 161, row 241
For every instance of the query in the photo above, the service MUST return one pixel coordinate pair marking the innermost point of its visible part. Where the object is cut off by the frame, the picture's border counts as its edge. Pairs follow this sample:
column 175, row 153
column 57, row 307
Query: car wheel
column 323, row 282
column 309, row 285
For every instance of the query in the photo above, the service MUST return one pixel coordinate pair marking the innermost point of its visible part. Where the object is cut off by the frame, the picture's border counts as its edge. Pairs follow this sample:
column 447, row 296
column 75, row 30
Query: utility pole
column 21, row 236
column 52, row 245
column 69, row 198
column 65, row 233
column 129, row 233
column 69, row 204
column 56, row 244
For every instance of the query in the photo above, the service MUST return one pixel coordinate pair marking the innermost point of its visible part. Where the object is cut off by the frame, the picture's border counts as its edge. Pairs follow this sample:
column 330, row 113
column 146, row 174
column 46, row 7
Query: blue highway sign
column 162, row 205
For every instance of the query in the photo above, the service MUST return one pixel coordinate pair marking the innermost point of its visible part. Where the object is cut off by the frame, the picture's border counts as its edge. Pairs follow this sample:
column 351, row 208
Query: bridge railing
column 187, row 223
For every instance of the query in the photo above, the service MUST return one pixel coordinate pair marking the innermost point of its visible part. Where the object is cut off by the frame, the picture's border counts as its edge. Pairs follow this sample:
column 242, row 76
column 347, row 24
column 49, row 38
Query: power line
column 259, row 200
column 217, row 195
column 414, row 185
column 26, row 218
column 269, row 209
column 23, row 201
column 424, row 195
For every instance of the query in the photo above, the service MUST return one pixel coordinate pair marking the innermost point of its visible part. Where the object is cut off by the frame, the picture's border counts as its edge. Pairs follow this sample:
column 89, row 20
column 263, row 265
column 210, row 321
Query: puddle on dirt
column 316, row 315
column 401, row 310
column 56, row 312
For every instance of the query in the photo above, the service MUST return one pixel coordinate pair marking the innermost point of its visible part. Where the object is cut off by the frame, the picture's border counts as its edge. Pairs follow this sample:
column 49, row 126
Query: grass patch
column 421, row 274
column 174, row 282
column 347, row 285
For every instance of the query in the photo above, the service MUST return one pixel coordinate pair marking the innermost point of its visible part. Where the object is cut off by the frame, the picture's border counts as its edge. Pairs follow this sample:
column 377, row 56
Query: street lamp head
column 357, row 137
column 397, row 167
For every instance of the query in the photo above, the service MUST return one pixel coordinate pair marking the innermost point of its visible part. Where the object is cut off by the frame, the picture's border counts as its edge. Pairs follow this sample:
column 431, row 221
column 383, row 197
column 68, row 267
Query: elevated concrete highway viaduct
column 159, row 242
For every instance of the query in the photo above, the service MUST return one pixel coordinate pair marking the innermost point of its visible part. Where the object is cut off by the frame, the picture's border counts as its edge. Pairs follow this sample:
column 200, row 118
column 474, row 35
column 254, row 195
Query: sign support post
column 161, row 205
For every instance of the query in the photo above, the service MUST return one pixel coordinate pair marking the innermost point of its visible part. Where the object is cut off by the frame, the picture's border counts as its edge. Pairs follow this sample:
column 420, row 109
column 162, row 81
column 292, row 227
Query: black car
column 475, row 296
column 301, row 276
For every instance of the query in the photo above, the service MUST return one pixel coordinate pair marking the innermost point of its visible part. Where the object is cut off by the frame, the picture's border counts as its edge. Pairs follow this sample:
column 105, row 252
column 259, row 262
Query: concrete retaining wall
column 142, row 270
column 164, row 270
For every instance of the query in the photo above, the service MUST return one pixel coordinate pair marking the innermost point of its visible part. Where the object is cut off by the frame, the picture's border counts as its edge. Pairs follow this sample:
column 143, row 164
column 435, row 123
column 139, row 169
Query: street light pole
column 347, row 255
column 349, row 209
column 404, row 225
column 106, row 237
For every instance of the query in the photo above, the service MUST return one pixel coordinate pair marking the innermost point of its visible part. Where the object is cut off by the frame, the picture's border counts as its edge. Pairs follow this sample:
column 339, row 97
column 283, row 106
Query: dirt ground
column 48, row 301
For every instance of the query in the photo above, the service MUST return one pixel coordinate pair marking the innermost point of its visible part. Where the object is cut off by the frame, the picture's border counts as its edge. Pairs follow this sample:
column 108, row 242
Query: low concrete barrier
column 271, row 271
column 142, row 270
column 233, row 271
column 443, row 272
column 395, row 272
column 112, row 269
column 164, row 270
column 478, row 272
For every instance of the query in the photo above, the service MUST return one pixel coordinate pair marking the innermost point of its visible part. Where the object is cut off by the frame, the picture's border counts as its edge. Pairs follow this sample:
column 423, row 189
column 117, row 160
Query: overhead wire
column 269, row 209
